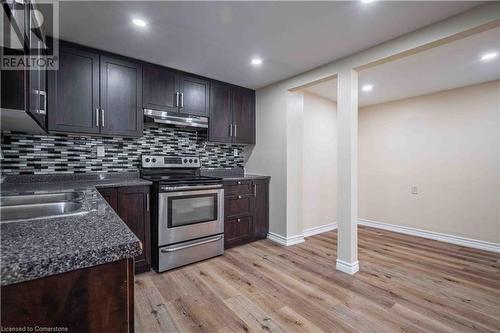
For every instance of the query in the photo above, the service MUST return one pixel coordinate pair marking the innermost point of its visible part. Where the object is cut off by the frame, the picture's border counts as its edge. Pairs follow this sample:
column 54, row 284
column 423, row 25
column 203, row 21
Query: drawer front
column 238, row 187
column 181, row 254
column 238, row 231
column 238, row 205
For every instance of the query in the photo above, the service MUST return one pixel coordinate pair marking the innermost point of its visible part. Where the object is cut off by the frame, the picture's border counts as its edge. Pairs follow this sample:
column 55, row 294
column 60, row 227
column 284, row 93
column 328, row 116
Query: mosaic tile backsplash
column 61, row 153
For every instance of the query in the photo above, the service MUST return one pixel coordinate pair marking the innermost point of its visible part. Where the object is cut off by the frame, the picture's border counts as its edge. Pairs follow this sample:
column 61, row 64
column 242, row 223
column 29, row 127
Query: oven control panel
column 162, row 161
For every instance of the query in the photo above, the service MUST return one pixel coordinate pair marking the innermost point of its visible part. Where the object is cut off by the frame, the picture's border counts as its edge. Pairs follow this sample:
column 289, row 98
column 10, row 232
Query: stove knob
column 190, row 160
column 154, row 160
column 195, row 160
column 147, row 160
column 185, row 160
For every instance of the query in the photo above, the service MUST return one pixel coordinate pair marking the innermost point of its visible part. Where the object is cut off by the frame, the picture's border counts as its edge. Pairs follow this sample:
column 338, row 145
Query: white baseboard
column 318, row 230
column 346, row 267
column 457, row 240
column 286, row 241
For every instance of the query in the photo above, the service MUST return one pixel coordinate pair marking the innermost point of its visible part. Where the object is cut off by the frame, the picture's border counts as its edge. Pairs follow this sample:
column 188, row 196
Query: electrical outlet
column 235, row 152
column 100, row 151
column 414, row 189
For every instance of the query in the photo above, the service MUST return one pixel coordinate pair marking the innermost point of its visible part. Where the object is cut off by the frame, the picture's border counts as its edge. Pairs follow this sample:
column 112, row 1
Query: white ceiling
column 218, row 39
column 445, row 67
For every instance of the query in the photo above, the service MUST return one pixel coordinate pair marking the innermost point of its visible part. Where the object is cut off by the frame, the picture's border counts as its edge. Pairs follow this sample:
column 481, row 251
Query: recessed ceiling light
column 367, row 1
column 367, row 87
column 489, row 56
column 256, row 61
column 139, row 22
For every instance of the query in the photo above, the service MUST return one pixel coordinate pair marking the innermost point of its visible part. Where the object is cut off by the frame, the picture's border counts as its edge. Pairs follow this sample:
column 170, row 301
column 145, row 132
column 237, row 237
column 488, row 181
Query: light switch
column 100, row 151
column 414, row 189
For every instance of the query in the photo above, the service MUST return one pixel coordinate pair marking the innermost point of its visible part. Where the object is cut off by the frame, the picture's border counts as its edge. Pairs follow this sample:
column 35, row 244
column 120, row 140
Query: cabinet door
column 237, row 231
column 121, row 97
column 238, row 205
column 160, row 88
column 110, row 195
column 133, row 209
column 37, row 80
column 12, row 86
column 243, row 115
column 74, row 91
column 221, row 117
column 261, row 209
column 194, row 95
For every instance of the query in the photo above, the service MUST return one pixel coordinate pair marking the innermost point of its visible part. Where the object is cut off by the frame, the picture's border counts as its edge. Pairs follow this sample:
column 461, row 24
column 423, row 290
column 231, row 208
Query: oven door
column 189, row 213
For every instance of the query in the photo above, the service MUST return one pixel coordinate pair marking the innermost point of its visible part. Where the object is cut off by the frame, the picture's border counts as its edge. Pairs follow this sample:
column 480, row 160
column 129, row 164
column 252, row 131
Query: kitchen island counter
column 94, row 235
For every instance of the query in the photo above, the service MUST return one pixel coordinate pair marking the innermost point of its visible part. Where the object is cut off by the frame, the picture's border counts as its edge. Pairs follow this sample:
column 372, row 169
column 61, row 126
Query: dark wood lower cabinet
column 246, row 206
column 133, row 208
column 131, row 203
column 261, row 209
column 95, row 299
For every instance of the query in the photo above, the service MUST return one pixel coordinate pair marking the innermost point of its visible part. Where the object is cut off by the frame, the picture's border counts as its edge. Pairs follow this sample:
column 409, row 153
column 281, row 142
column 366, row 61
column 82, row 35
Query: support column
column 347, row 113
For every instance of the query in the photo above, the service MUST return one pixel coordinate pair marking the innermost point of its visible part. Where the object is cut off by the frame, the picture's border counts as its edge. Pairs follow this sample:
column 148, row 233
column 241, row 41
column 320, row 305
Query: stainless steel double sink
column 33, row 206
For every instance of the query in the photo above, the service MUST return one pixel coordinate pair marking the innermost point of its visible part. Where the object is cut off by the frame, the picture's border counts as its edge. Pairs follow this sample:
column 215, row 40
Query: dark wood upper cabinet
column 160, row 88
column 221, row 115
column 13, row 88
column 121, row 97
column 24, row 90
column 232, row 114
column 243, row 116
column 74, row 92
column 169, row 90
column 194, row 95
column 95, row 93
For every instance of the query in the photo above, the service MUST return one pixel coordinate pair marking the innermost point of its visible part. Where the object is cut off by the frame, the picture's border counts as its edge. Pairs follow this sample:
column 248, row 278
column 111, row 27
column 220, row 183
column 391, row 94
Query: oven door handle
column 182, row 247
column 188, row 187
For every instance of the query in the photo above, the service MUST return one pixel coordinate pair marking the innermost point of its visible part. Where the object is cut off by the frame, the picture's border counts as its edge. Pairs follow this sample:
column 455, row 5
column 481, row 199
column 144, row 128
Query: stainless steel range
column 188, row 211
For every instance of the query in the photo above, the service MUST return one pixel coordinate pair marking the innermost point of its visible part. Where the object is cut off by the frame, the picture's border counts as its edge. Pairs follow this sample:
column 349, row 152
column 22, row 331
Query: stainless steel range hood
column 175, row 119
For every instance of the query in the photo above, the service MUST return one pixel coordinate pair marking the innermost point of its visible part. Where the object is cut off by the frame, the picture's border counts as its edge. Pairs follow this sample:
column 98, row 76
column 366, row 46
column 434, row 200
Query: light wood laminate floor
column 405, row 284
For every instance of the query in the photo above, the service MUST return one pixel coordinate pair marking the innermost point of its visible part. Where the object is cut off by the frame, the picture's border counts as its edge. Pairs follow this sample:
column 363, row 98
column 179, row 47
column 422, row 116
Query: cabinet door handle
column 239, row 220
column 147, row 202
column 97, row 117
column 43, row 94
column 234, row 130
column 176, row 99
column 255, row 190
column 231, row 130
column 239, row 183
column 182, row 100
column 240, row 196
column 102, row 117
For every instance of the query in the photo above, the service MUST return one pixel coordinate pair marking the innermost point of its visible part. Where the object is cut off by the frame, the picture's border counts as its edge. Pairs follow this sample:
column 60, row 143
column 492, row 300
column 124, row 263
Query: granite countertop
column 246, row 177
column 95, row 235
column 232, row 174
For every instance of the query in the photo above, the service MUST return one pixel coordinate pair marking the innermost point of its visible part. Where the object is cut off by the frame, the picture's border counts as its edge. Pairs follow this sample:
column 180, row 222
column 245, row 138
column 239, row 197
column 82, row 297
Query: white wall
column 447, row 144
column 272, row 151
column 269, row 155
column 319, row 164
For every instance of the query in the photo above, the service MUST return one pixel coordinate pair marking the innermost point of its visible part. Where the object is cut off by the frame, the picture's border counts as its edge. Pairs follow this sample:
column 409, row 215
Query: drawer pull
column 182, row 247
column 240, row 196
column 239, row 183
column 239, row 220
